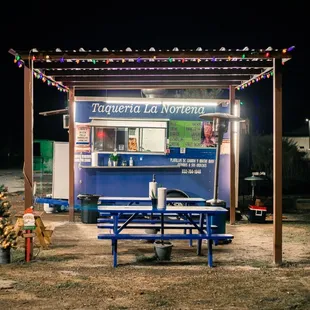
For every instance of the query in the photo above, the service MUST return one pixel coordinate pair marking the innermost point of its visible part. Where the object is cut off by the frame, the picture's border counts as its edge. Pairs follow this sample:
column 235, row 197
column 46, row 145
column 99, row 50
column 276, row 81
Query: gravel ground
column 76, row 271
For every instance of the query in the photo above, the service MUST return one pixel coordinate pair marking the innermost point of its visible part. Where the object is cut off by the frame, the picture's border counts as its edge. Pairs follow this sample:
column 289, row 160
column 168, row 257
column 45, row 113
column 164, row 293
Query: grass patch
column 67, row 285
column 143, row 258
column 158, row 301
column 288, row 264
column 258, row 264
column 57, row 258
column 17, row 255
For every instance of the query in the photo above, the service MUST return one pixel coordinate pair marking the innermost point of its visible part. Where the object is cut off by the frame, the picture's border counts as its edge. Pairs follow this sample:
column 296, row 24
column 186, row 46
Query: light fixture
column 253, row 179
column 186, row 102
column 129, row 101
column 191, row 103
column 219, row 127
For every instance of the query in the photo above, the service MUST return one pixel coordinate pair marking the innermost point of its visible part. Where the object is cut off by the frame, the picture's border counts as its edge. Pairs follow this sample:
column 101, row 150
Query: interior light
column 190, row 103
column 101, row 134
column 186, row 102
column 127, row 101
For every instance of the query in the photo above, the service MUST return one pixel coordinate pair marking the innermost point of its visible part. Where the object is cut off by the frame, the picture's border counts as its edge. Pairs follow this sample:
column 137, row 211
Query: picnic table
column 203, row 227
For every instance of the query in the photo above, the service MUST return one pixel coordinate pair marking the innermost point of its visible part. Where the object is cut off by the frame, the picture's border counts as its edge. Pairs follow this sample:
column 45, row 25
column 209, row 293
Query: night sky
column 93, row 27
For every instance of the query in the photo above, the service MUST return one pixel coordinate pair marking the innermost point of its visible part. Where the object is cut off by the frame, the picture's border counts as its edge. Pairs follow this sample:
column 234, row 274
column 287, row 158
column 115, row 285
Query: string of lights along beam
column 258, row 78
column 43, row 77
column 267, row 54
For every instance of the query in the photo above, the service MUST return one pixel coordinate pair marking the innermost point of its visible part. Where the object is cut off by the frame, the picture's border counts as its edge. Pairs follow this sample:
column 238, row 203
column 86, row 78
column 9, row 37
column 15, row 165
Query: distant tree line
column 296, row 165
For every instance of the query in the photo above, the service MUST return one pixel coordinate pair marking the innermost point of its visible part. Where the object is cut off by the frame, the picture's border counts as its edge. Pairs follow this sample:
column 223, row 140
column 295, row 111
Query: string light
column 255, row 79
column 267, row 54
column 245, row 54
column 41, row 76
column 50, row 82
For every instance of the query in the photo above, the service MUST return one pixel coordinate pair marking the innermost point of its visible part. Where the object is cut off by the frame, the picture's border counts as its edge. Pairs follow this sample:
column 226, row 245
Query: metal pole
column 217, row 164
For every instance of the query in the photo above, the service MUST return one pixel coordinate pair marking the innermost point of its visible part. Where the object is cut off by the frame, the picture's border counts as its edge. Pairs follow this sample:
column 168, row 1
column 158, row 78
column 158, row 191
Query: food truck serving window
column 129, row 136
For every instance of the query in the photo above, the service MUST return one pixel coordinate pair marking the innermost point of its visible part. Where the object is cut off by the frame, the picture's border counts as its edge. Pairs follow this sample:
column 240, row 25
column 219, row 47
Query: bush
column 8, row 236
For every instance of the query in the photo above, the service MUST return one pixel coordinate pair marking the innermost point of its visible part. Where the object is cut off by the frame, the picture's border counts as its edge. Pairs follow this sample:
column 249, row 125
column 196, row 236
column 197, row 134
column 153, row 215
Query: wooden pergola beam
column 153, row 79
column 28, row 137
column 277, row 161
column 232, row 98
column 186, row 54
column 145, row 86
column 159, row 72
column 262, row 63
column 162, row 84
column 71, row 153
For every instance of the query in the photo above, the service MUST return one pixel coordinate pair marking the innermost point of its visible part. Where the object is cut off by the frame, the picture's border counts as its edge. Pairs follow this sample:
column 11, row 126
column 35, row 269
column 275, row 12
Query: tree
column 295, row 174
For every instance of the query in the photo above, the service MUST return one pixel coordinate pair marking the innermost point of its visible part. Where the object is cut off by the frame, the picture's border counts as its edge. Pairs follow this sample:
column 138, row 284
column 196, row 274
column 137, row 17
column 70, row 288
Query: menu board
column 185, row 134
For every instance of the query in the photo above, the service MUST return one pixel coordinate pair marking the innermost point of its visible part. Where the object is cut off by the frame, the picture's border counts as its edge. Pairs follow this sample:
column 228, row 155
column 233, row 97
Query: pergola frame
column 150, row 69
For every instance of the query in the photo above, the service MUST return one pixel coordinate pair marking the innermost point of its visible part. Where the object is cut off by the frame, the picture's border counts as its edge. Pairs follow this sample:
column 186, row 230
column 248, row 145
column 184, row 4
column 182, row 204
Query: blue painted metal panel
column 135, row 182
column 86, row 109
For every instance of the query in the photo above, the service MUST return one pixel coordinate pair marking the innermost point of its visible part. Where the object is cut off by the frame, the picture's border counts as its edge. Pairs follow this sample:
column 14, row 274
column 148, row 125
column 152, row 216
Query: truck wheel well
column 176, row 193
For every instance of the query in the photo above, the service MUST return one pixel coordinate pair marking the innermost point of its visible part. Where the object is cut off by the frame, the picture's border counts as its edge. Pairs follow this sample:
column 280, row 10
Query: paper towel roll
column 94, row 159
column 152, row 188
column 162, row 198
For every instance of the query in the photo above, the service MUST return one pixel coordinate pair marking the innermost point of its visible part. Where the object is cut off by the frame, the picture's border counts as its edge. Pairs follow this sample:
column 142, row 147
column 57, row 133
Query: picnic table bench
column 203, row 227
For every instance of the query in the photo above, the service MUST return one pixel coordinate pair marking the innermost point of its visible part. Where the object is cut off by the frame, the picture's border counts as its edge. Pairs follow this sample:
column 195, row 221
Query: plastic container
column 5, row 255
column 257, row 214
column 48, row 208
column 219, row 219
column 89, row 208
column 163, row 250
column 130, row 162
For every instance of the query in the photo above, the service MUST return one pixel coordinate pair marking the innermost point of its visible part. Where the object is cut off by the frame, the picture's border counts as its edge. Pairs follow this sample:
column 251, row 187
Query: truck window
column 153, row 139
column 104, row 139
column 129, row 139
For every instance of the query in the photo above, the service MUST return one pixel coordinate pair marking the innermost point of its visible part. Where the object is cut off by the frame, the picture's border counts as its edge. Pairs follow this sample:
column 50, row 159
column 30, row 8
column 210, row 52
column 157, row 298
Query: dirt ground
column 76, row 271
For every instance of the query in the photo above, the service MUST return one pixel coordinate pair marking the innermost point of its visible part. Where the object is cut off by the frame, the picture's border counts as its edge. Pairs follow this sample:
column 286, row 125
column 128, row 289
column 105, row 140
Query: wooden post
column 71, row 154
column 237, row 151
column 277, row 160
column 232, row 159
column 28, row 137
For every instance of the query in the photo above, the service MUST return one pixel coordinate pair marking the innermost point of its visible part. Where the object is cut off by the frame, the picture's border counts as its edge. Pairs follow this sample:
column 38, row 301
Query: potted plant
column 8, row 236
column 114, row 158
column 163, row 249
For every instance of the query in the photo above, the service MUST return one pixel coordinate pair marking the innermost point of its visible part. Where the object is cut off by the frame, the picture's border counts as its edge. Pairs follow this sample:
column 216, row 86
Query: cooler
column 257, row 214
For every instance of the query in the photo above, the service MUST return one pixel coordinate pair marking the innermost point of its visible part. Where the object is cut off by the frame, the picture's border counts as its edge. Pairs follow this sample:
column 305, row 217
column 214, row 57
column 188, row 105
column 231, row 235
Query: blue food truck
column 148, row 136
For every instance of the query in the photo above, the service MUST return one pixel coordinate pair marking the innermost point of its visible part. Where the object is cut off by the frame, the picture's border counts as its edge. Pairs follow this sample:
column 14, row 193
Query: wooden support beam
column 229, row 79
column 146, row 55
column 71, row 154
column 153, row 86
column 58, row 74
column 236, row 126
column 28, row 137
column 232, row 97
column 228, row 65
column 277, row 160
